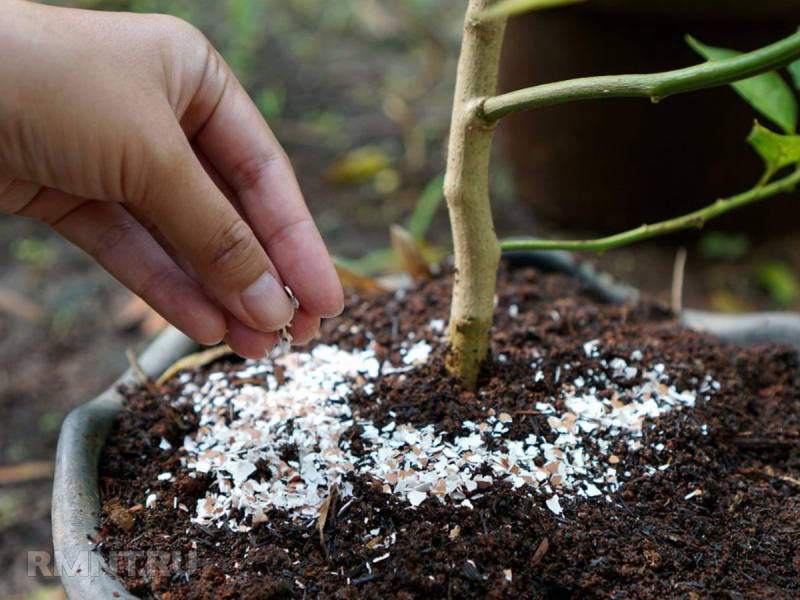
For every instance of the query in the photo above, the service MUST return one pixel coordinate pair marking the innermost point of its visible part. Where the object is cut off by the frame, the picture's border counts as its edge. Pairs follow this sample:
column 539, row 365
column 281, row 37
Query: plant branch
column 466, row 189
column 655, row 86
column 695, row 219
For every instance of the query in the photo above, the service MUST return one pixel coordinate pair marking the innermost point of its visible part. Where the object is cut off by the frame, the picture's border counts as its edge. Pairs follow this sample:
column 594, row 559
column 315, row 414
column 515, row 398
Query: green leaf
column 428, row 203
column 727, row 246
column 768, row 93
column 508, row 8
column 779, row 281
column 777, row 150
column 794, row 71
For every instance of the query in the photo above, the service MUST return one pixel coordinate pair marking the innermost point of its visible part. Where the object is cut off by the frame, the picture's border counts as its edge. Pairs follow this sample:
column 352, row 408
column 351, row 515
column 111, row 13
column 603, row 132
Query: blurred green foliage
column 779, row 280
column 726, row 246
column 34, row 252
column 50, row 422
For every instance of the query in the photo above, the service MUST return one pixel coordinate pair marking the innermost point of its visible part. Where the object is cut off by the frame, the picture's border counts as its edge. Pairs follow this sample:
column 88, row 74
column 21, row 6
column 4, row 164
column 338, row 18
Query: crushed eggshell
column 305, row 408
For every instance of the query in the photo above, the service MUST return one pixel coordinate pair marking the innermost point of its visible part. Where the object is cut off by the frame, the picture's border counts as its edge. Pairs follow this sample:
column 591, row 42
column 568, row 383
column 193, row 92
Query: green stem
column 655, row 86
column 695, row 219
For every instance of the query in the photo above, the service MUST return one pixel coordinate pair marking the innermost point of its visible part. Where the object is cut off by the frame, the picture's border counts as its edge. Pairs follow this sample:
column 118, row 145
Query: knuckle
column 14, row 197
column 293, row 229
column 176, row 27
column 214, row 70
column 152, row 288
column 109, row 239
column 231, row 248
column 247, row 174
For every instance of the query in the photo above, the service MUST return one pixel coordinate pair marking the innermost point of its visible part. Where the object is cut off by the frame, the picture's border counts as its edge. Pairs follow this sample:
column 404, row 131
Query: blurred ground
column 359, row 94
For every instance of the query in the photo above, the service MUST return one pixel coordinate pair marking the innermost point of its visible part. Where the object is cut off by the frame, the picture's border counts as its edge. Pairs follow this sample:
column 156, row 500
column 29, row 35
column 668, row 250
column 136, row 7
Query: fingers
column 247, row 342
column 244, row 340
column 205, row 228
column 159, row 237
column 126, row 250
column 255, row 344
column 234, row 137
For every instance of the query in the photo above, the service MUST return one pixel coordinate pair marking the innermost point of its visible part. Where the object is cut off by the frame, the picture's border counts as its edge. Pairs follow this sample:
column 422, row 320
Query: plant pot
column 76, row 504
column 608, row 165
column 76, row 507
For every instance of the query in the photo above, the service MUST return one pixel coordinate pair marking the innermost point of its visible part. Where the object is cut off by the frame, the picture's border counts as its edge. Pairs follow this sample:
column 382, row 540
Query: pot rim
column 76, row 501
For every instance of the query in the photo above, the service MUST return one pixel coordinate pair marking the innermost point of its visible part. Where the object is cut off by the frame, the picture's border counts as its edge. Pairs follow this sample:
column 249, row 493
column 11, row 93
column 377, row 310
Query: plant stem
column 695, row 219
column 655, row 86
column 477, row 250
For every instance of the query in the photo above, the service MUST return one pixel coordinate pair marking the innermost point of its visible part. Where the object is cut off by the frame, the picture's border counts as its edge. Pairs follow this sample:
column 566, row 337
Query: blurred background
column 359, row 94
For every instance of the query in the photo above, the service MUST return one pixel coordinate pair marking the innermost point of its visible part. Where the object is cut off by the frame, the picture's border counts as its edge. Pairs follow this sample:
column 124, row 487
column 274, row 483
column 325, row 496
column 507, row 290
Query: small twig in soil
column 248, row 381
column 789, row 479
column 761, row 443
column 678, row 270
column 365, row 579
column 483, row 522
column 200, row 359
column 138, row 372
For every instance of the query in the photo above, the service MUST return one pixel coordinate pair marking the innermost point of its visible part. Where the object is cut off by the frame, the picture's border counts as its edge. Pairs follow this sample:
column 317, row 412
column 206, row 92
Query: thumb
column 204, row 227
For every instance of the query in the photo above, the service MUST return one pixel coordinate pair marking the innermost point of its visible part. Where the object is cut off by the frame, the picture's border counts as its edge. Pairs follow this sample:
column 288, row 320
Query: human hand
column 130, row 136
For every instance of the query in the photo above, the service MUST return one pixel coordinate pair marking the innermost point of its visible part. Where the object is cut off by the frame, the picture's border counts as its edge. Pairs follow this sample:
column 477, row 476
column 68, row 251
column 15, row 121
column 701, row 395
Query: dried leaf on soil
column 193, row 361
column 410, row 254
column 323, row 517
column 355, row 282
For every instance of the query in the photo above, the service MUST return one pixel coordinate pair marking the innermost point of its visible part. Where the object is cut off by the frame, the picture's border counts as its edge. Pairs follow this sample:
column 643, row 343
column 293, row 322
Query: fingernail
column 267, row 303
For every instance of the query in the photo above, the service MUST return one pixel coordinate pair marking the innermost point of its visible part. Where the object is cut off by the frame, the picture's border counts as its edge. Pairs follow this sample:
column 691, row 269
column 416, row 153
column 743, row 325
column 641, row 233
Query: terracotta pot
column 76, row 504
column 605, row 165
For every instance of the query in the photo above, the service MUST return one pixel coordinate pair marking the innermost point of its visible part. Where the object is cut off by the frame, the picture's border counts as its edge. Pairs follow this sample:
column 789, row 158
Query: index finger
column 233, row 135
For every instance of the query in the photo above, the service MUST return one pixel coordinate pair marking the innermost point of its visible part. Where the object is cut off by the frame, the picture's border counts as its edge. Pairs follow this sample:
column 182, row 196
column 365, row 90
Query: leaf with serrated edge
column 768, row 93
column 776, row 150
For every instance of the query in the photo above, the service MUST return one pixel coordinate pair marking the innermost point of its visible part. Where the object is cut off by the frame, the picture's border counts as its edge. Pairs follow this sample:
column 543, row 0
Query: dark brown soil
column 739, row 538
